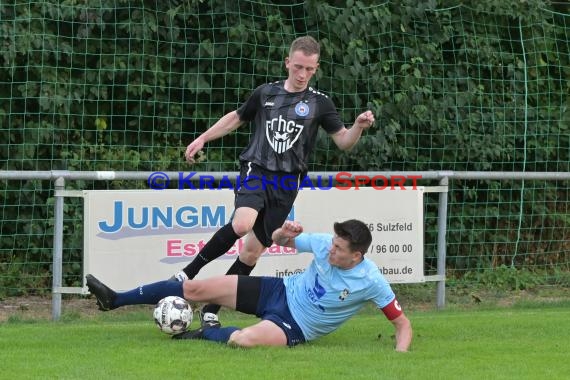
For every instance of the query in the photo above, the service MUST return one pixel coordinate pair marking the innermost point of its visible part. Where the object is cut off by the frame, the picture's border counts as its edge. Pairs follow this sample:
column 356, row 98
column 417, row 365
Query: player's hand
column 194, row 148
column 365, row 120
column 285, row 234
column 291, row 229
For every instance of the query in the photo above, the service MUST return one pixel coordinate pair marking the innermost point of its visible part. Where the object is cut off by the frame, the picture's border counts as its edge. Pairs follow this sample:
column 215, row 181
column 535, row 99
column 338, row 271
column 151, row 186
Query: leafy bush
column 122, row 85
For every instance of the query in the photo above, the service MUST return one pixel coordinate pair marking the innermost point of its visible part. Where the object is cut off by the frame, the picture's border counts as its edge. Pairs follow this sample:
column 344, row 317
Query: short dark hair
column 356, row 233
column 307, row 44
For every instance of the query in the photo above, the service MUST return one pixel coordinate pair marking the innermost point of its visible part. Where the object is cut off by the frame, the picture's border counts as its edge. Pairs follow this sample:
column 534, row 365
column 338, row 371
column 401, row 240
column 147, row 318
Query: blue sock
column 221, row 335
column 150, row 294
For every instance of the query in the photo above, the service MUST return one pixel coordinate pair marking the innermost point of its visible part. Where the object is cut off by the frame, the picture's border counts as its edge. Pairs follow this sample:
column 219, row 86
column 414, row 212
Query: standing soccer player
column 286, row 115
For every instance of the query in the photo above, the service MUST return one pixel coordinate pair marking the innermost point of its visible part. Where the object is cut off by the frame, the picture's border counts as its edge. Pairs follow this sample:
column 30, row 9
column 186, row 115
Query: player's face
column 341, row 256
column 301, row 69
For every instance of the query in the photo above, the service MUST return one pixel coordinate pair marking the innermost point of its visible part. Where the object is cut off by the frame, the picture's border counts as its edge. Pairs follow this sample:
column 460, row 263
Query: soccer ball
column 172, row 315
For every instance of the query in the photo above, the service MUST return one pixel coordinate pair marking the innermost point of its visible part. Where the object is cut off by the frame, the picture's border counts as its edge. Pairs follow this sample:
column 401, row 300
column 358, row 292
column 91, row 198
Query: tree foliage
column 126, row 85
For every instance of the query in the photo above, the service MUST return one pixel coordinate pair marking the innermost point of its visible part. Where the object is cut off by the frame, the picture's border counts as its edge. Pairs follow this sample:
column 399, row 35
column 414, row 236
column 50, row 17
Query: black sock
column 237, row 268
column 219, row 244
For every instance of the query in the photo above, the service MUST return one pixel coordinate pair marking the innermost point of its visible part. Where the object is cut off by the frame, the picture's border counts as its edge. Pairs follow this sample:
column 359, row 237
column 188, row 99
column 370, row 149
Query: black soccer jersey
column 286, row 126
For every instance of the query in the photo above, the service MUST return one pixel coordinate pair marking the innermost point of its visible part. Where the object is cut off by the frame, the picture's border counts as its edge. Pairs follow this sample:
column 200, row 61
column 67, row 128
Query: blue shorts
column 272, row 306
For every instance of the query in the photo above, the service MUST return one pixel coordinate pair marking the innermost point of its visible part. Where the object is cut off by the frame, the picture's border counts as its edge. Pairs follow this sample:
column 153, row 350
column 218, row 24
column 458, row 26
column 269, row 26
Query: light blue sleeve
column 303, row 243
column 380, row 291
column 318, row 244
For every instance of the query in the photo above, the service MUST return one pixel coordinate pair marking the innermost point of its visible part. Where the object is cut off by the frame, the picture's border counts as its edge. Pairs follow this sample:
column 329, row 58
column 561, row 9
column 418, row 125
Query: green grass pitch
column 495, row 343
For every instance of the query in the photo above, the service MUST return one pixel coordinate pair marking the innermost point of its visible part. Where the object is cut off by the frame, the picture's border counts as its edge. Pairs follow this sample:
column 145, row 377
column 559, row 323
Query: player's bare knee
column 193, row 290
column 241, row 228
column 240, row 338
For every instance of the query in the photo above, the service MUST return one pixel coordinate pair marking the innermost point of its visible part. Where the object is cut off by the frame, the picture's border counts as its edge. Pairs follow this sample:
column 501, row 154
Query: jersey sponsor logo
column 318, row 289
column 302, row 109
column 282, row 133
column 316, row 293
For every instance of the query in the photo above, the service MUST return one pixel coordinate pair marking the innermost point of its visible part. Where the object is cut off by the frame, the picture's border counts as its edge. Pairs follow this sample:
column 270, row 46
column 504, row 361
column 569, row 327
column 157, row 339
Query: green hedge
column 126, row 85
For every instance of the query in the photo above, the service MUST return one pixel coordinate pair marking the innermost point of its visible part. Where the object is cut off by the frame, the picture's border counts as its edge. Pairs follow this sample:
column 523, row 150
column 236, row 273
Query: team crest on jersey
column 282, row 133
column 302, row 109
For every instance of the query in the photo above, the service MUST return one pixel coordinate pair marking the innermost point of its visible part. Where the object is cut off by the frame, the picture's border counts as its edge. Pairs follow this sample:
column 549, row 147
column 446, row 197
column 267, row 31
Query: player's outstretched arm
column 286, row 234
column 228, row 123
column 403, row 333
column 347, row 138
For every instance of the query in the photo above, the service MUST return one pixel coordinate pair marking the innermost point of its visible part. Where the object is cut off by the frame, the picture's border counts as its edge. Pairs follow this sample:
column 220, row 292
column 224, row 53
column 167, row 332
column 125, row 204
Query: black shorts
column 266, row 298
column 271, row 194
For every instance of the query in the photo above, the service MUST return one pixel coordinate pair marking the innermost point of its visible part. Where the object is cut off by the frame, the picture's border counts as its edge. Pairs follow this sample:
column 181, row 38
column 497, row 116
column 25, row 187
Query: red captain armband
column 393, row 310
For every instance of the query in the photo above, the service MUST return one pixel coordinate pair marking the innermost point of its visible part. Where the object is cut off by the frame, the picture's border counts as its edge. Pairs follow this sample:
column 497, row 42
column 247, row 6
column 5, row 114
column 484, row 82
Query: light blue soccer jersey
column 323, row 297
